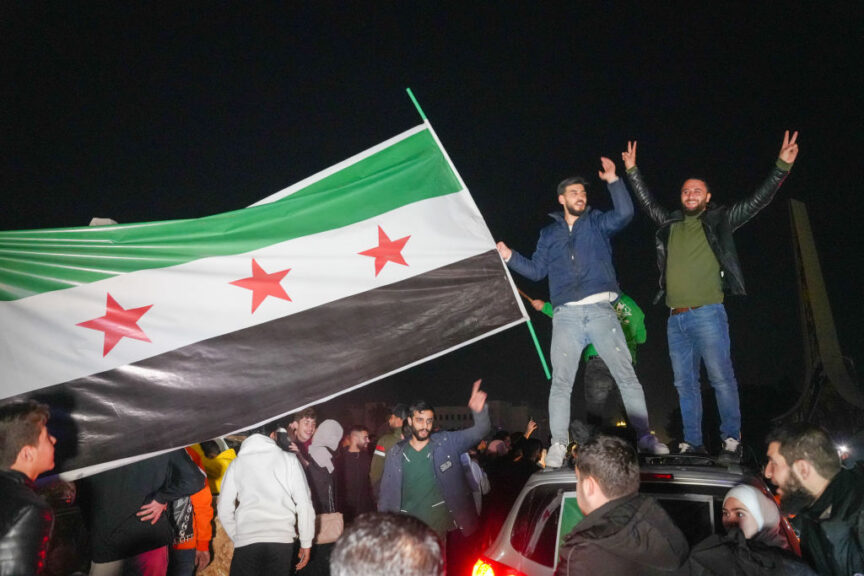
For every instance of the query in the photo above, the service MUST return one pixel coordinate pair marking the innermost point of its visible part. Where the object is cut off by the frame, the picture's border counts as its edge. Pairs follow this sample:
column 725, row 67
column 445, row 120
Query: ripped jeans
column 573, row 328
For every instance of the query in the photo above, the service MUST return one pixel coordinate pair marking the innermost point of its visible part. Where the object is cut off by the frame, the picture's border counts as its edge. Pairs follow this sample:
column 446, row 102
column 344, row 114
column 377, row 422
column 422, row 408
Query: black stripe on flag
column 231, row 382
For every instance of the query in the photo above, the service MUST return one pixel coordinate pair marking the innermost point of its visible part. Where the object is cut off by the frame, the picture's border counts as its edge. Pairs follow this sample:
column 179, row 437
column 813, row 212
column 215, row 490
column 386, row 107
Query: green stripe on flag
column 36, row 261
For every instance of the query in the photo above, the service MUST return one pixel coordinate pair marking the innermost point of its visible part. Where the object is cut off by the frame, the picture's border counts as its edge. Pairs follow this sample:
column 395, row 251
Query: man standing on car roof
column 698, row 266
column 623, row 532
column 575, row 252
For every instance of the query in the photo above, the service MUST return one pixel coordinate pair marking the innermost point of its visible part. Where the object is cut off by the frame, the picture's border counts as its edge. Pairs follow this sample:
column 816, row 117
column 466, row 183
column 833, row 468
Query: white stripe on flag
column 195, row 301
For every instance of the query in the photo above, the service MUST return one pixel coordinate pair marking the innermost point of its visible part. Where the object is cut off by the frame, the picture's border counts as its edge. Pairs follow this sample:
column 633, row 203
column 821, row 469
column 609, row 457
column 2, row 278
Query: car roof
column 682, row 469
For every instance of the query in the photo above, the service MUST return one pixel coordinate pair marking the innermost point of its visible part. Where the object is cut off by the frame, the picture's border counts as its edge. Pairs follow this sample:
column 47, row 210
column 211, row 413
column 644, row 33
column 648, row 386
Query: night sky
column 143, row 113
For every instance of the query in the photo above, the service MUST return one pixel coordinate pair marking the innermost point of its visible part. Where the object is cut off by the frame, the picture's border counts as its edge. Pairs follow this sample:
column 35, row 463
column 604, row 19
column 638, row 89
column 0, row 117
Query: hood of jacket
column 636, row 529
column 257, row 444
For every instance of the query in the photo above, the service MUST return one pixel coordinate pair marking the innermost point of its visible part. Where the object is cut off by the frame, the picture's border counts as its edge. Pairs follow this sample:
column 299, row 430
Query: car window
column 695, row 509
column 536, row 527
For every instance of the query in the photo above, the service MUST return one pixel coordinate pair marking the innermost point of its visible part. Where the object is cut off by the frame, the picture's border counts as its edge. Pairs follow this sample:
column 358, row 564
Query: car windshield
column 696, row 509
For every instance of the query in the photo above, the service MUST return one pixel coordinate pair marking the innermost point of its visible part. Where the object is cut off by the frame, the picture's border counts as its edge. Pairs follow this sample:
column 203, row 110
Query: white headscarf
column 764, row 511
column 328, row 435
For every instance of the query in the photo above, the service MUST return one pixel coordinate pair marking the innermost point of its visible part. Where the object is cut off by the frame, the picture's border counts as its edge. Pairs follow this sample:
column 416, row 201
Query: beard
column 574, row 212
column 419, row 435
column 795, row 497
column 695, row 211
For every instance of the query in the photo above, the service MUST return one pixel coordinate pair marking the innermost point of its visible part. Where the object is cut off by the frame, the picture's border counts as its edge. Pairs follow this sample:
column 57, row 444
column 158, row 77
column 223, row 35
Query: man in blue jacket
column 575, row 252
column 423, row 475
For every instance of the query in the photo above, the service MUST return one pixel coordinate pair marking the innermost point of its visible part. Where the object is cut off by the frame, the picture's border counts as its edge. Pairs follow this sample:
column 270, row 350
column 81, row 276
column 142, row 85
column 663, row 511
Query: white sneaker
column 555, row 455
column 732, row 451
column 649, row 444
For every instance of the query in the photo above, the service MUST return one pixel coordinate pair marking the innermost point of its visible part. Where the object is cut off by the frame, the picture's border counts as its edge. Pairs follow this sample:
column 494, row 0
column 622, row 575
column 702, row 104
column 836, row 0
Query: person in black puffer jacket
column 623, row 532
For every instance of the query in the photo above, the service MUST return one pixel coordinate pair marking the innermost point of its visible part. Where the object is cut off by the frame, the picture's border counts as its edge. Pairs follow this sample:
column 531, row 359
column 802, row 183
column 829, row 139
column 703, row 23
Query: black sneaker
column 685, row 448
column 731, row 452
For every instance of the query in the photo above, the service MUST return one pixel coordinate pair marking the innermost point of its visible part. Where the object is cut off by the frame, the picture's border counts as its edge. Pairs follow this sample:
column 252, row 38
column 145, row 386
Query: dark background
column 154, row 111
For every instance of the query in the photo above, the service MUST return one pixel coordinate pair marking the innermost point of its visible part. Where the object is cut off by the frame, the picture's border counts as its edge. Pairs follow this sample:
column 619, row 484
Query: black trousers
column 263, row 558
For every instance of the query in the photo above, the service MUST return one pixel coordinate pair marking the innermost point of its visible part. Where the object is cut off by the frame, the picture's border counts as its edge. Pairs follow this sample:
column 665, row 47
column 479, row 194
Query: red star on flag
column 386, row 251
column 263, row 284
column 118, row 323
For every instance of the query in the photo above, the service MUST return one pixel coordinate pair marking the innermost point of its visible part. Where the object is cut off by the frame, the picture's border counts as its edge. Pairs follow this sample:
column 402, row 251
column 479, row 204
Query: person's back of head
column 611, row 463
column 210, row 449
column 22, row 445
column 387, row 544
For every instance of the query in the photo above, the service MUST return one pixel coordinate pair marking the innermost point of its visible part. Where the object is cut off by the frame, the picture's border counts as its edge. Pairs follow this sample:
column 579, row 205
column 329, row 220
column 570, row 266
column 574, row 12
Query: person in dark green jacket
column 599, row 383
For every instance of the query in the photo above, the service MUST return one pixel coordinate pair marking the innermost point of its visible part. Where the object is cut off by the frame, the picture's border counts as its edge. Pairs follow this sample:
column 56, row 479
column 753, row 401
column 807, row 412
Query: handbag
column 180, row 518
column 328, row 527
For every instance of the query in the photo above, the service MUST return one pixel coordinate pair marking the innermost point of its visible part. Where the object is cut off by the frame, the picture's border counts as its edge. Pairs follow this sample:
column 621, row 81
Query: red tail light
column 645, row 476
column 486, row 567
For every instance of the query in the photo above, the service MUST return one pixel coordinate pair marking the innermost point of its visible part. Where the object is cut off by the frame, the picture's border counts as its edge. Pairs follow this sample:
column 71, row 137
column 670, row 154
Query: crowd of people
column 300, row 496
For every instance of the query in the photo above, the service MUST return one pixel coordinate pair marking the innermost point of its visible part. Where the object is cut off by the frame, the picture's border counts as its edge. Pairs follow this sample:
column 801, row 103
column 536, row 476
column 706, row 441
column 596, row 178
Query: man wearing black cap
column 385, row 442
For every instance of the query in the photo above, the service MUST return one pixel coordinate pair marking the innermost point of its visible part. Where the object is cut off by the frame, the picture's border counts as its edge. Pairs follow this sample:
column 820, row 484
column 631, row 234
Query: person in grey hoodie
column 623, row 532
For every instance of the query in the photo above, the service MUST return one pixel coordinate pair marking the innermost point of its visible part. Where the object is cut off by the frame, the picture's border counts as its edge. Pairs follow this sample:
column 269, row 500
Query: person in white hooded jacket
column 264, row 506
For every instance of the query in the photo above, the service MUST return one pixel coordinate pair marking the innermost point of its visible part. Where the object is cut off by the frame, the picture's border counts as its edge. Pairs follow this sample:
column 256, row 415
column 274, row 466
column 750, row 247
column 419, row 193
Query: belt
column 676, row 311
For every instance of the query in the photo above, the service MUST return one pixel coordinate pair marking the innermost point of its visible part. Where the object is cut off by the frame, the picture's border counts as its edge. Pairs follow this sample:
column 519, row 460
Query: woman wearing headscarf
column 322, row 483
column 754, row 542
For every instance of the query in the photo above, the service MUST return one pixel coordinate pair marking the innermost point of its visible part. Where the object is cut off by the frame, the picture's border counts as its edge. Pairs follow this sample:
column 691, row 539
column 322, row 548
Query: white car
column 690, row 489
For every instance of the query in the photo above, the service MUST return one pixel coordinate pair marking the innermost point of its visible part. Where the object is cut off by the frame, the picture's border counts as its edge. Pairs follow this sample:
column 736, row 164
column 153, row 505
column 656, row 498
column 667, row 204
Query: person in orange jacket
column 191, row 548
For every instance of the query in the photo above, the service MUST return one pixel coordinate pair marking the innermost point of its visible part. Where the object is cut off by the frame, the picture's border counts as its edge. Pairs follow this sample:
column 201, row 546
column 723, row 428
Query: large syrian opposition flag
column 146, row 337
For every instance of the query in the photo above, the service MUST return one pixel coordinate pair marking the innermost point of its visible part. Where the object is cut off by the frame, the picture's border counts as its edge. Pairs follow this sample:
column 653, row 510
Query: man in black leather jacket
column 698, row 266
column 26, row 450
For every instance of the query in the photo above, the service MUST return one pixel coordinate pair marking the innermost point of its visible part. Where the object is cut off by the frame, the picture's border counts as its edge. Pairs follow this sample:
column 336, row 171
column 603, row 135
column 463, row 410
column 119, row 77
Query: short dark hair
column 531, row 449
column 387, row 544
column 419, row 406
column 357, row 428
column 21, row 424
column 562, row 186
column 612, row 462
column 701, row 179
column 399, row 410
column 305, row 413
column 804, row 441
column 210, row 448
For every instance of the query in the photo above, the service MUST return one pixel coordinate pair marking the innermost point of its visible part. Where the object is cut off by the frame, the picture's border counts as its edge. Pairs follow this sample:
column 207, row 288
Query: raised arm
column 643, row 196
column 743, row 210
column 470, row 437
column 622, row 211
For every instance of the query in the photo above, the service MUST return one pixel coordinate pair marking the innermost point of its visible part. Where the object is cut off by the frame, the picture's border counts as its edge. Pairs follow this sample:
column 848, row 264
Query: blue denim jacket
column 578, row 262
column 446, row 450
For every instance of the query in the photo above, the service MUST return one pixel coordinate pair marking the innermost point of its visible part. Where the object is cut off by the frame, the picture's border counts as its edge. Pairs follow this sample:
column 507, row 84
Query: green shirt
column 692, row 270
column 421, row 497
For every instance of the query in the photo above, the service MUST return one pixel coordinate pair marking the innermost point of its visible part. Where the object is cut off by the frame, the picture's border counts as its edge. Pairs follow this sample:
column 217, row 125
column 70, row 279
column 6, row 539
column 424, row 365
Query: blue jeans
column 181, row 562
column 599, row 386
column 573, row 328
column 703, row 335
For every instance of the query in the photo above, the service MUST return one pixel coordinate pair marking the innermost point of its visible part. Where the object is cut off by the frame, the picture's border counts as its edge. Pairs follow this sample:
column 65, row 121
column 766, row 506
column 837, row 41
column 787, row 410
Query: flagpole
column 416, row 104
column 539, row 351
column 528, row 320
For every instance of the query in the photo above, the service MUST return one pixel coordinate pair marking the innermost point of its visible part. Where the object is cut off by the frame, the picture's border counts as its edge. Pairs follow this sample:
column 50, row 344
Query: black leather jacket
column 25, row 526
column 719, row 222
